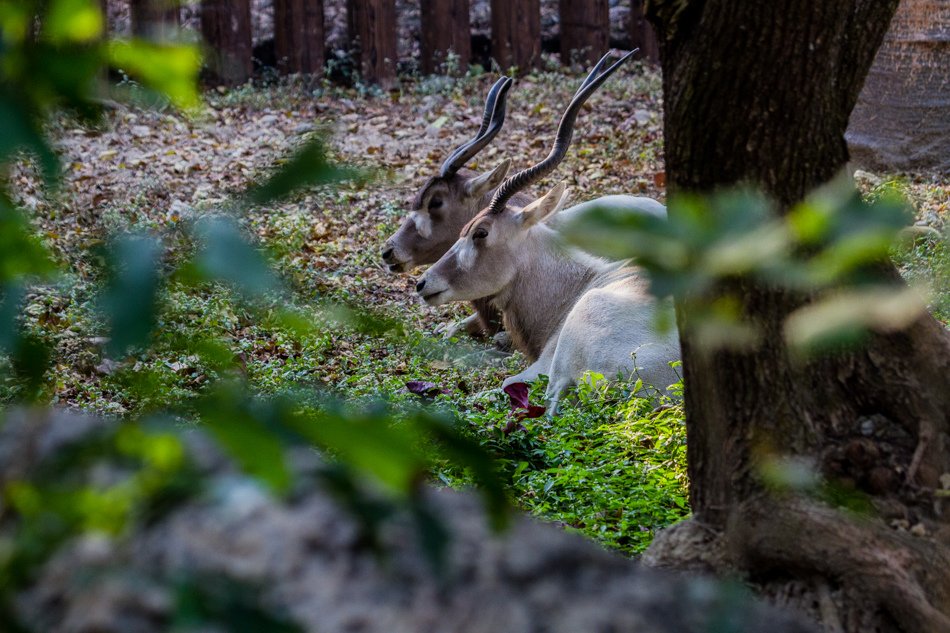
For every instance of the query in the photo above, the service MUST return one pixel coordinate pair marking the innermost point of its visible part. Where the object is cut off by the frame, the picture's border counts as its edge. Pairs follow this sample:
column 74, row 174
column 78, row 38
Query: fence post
column 299, row 36
column 642, row 34
column 445, row 27
column 585, row 30
column 226, row 27
column 372, row 25
column 154, row 19
column 516, row 33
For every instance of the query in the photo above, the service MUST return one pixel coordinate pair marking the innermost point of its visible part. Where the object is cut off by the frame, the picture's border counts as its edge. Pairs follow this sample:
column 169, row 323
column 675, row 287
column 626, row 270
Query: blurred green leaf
column 74, row 79
column 31, row 358
column 219, row 604
column 252, row 435
column 15, row 21
column 372, row 445
column 129, row 300
column 20, row 131
column 11, row 302
column 847, row 316
column 468, row 454
column 621, row 233
column 434, row 536
column 22, row 253
column 309, row 166
column 170, row 69
column 72, row 21
column 225, row 255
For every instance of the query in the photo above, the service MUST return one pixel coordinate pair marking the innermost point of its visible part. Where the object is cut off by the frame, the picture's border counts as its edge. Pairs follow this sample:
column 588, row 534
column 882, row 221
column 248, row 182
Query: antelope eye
column 435, row 203
column 479, row 234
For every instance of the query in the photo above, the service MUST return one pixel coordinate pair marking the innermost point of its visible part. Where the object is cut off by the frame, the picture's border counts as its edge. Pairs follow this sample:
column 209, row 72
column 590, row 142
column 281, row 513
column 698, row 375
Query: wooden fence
column 299, row 33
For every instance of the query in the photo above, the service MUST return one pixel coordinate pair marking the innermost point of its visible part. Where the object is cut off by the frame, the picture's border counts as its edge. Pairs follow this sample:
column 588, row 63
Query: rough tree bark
column 226, row 28
column 585, row 30
column 154, row 19
column 761, row 93
column 445, row 27
column 298, row 36
column 372, row 25
column 516, row 34
column 642, row 35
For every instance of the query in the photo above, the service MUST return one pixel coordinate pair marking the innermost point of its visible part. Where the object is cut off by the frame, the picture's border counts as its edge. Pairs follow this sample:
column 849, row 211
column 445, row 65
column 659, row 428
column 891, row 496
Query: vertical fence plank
column 585, row 30
column 516, row 33
column 226, row 27
column 642, row 34
column 154, row 19
column 372, row 25
column 445, row 27
column 299, row 36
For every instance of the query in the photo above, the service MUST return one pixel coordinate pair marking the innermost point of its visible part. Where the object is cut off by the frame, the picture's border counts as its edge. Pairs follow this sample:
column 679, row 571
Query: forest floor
column 611, row 466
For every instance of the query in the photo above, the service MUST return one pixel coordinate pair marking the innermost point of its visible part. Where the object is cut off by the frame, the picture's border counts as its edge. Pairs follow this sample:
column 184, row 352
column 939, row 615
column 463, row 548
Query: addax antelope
column 451, row 199
column 568, row 311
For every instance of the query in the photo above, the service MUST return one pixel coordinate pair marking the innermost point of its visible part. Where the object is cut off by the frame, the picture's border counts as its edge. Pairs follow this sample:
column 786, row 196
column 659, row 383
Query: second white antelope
column 568, row 311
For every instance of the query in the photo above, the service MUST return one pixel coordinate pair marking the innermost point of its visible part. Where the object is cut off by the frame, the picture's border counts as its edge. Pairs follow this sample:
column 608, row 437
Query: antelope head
column 490, row 249
column 489, row 252
column 448, row 201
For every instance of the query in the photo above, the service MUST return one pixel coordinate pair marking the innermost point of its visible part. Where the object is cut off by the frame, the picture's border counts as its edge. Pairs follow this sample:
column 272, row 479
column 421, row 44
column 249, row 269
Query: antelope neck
column 546, row 285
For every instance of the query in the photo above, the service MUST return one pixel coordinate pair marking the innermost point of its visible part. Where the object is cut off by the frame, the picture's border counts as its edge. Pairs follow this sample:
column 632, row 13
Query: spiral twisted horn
column 565, row 131
column 492, row 120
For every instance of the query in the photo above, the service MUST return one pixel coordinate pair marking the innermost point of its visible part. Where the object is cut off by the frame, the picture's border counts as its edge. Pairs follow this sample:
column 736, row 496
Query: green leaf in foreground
column 20, row 131
column 170, row 69
column 129, row 301
column 308, row 167
column 73, row 21
column 226, row 256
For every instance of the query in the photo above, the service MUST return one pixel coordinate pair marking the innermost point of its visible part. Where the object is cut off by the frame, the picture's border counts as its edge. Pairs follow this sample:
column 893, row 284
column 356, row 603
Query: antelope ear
column 483, row 183
column 543, row 208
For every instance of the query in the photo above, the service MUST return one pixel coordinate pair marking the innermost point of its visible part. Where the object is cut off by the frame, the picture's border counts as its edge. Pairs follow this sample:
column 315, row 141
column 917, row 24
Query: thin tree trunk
column 372, row 26
column 226, row 28
column 156, row 20
column 445, row 28
column 299, row 36
column 742, row 84
column 585, row 30
column 516, row 34
column 642, row 34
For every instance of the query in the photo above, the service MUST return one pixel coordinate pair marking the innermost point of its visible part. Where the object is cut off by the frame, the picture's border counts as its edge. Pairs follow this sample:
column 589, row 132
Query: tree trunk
column 760, row 93
column 516, row 34
column 585, row 30
column 226, row 28
column 445, row 28
column 372, row 26
column 298, row 36
column 902, row 120
column 155, row 20
column 642, row 35
column 104, row 8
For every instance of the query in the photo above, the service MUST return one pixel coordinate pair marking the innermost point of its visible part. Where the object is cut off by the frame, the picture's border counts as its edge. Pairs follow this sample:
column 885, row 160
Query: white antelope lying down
column 447, row 202
column 568, row 311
